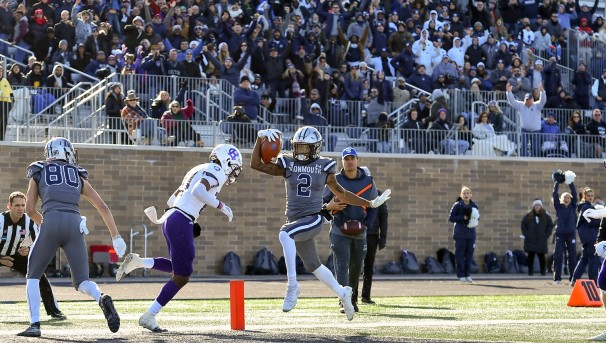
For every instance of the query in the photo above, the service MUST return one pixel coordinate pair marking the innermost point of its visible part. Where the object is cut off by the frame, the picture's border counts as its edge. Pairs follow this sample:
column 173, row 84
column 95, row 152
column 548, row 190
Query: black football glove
column 382, row 245
column 197, row 230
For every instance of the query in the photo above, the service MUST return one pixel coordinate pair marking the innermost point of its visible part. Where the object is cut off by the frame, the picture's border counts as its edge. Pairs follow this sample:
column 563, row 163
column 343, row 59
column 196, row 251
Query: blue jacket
column 248, row 99
column 351, row 212
column 566, row 216
column 588, row 232
column 457, row 214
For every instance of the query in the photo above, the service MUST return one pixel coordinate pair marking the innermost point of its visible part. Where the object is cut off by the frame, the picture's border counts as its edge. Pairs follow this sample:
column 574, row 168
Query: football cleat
column 109, row 311
column 290, row 299
column 599, row 338
column 131, row 262
column 345, row 297
column 58, row 316
column 33, row 330
column 148, row 321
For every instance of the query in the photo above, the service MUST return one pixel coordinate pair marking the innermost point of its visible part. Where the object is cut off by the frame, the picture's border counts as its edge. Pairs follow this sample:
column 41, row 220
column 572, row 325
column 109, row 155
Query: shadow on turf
column 501, row 286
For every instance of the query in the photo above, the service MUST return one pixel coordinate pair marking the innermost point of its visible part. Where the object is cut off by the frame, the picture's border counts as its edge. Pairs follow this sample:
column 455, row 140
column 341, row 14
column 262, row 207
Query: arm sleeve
column 201, row 194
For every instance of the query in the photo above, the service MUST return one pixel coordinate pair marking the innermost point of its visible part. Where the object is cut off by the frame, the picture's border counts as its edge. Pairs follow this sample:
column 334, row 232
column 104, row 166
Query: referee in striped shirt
column 18, row 233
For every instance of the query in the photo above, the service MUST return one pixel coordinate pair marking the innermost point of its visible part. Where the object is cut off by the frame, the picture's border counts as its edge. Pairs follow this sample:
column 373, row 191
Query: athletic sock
column 289, row 249
column 323, row 274
column 90, row 288
column 32, row 291
column 162, row 264
column 168, row 292
column 154, row 308
column 148, row 262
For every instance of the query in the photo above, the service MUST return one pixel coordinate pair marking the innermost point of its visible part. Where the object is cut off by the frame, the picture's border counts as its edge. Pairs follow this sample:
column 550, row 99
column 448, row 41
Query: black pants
column 46, row 292
column 372, row 242
column 531, row 262
column 5, row 108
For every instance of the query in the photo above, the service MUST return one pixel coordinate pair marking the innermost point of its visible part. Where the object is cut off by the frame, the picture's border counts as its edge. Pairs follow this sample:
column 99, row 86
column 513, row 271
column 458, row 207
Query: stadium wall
column 424, row 189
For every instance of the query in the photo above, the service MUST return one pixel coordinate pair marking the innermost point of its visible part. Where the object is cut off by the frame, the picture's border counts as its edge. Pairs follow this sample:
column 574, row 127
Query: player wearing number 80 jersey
column 59, row 182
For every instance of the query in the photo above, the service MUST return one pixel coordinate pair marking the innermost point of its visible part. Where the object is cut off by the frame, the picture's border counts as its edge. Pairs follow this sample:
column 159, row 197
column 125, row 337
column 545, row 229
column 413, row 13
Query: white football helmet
column 230, row 159
column 306, row 144
column 60, row 148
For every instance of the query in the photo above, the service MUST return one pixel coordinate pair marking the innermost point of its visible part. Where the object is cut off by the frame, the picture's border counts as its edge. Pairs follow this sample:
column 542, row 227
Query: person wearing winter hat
column 448, row 146
column 537, row 226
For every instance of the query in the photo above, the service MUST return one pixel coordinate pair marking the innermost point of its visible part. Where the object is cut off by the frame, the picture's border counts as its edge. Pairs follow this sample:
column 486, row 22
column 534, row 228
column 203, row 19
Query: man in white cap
column 445, row 68
column 530, row 118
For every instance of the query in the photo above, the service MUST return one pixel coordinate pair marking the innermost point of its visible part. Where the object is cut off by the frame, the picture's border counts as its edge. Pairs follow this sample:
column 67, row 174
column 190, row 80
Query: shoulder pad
column 83, row 173
column 34, row 168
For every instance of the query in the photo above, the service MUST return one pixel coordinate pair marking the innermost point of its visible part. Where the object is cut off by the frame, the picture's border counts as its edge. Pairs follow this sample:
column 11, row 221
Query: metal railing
column 192, row 134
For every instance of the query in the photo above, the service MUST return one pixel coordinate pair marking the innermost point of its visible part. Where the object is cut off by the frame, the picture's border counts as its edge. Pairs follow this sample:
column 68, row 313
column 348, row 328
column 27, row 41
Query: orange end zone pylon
column 585, row 294
column 236, row 300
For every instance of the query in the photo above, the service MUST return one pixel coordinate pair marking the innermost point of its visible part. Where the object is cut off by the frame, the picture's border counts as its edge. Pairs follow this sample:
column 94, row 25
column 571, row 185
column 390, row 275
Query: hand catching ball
column 270, row 150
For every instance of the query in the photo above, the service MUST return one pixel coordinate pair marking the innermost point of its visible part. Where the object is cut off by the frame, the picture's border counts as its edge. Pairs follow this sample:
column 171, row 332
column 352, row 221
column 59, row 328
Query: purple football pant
column 179, row 235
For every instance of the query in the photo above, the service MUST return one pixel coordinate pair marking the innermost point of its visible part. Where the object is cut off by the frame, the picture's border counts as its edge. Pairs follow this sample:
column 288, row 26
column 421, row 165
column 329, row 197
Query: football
column 353, row 227
column 270, row 150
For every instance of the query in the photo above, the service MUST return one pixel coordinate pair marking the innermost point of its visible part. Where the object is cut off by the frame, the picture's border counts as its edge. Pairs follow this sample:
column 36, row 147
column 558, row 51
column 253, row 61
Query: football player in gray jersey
column 305, row 174
column 60, row 182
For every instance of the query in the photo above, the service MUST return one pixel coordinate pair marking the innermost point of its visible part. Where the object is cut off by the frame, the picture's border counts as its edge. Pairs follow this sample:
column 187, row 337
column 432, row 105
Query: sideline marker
column 236, row 300
column 585, row 294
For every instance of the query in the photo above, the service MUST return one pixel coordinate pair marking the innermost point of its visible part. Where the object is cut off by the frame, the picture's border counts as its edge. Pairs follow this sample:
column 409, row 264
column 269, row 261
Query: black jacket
column 536, row 234
column 380, row 225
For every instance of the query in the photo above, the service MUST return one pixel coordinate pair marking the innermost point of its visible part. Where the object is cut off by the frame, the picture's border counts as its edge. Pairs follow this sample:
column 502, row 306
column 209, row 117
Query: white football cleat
column 345, row 297
column 290, row 300
column 599, row 338
column 131, row 262
column 148, row 321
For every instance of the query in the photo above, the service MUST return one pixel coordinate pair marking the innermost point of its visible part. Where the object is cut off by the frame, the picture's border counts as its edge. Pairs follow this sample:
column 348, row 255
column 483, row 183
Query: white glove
column 378, row 201
column 83, row 228
column 270, row 134
column 595, row 214
column 226, row 211
column 600, row 249
column 119, row 245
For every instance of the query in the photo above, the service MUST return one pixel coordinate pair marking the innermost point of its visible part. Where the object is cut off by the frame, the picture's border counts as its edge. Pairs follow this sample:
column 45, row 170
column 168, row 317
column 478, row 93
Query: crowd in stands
column 380, row 52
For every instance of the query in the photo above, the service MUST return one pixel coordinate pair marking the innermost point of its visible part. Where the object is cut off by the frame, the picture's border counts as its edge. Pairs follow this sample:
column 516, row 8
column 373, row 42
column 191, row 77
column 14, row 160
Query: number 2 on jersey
column 303, row 185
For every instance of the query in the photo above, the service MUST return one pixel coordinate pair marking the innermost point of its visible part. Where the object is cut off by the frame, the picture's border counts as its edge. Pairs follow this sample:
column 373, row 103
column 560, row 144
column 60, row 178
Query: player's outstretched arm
column 257, row 164
column 353, row 199
column 343, row 194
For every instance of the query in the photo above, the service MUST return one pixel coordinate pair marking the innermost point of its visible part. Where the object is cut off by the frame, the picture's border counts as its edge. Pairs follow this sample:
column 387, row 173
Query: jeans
column 348, row 256
column 534, row 143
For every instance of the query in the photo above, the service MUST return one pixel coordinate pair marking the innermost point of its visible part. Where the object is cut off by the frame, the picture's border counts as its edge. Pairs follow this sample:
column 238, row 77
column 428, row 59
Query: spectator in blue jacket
column 464, row 233
column 247, row 98
column 420, row 80
column 565, row 234
column 588, row 233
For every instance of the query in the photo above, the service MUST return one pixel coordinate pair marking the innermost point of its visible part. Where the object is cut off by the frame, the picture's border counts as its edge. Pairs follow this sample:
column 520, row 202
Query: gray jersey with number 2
column 305, row 184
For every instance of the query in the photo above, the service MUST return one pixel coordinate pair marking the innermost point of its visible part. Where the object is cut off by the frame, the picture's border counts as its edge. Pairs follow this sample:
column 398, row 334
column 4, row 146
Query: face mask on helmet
column 60, row 149
column 230, row 159
column 306, row 144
